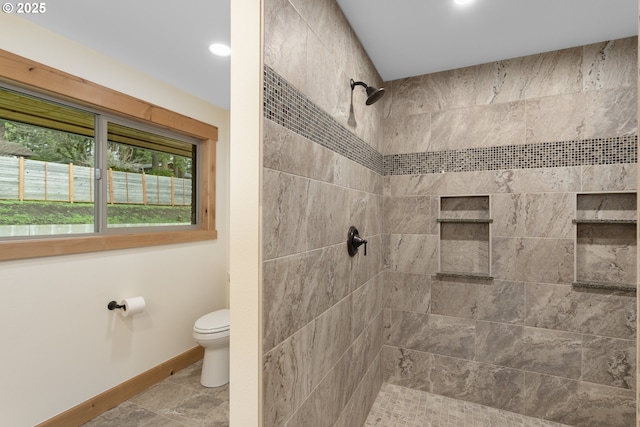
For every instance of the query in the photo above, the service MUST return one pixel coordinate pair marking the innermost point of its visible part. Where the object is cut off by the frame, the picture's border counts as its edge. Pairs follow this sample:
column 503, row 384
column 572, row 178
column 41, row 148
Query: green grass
column 14, row 212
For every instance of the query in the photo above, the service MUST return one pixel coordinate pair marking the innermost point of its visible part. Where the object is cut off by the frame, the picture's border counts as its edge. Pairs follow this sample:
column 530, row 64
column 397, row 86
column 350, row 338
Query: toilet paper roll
column 132, row 306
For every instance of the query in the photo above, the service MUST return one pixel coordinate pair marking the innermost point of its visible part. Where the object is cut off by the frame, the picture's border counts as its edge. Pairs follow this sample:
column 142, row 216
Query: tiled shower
column 499, row 206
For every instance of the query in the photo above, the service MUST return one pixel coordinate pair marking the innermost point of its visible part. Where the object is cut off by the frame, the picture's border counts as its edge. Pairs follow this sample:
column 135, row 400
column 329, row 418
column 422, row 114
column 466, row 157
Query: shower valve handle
column 354, row 241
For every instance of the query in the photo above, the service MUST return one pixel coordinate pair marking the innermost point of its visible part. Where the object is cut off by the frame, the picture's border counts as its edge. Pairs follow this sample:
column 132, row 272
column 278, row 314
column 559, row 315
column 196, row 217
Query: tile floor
column 398, row 406
column 178, row 401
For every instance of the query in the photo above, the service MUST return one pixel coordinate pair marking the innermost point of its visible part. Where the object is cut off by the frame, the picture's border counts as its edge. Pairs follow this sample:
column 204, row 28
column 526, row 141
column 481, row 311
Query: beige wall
column 60, row 344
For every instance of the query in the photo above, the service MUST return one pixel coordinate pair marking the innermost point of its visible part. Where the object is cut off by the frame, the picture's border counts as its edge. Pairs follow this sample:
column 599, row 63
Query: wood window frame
column 23, row 72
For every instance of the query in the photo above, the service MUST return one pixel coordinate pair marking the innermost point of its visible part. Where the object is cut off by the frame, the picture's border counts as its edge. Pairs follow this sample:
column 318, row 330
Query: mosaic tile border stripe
column 287, row 106
column 599, row 151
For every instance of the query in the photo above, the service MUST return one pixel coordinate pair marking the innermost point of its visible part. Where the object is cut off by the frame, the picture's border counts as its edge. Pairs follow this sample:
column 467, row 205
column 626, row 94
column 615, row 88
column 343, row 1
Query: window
column 77, row 176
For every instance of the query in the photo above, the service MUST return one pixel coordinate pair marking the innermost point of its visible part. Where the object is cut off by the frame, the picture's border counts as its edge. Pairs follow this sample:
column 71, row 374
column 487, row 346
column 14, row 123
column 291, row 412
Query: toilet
column 211, row 331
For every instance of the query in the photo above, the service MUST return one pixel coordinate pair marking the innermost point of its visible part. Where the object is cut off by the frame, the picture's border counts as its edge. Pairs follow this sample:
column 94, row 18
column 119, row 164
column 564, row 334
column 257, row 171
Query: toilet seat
column 213, row 323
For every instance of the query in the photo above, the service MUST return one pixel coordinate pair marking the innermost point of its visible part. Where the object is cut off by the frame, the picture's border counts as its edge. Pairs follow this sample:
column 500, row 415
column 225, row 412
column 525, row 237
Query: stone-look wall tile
column 611, row 64
column 464, row 248
column 408, row 368
column 529, row 349
column 501, row 301
column 621, row 177
column 408, row 292
column 556, row 118
column 331, row 338
column 450, row 297
column 366, row 213
column 410, row 134
column 444, row 335
column 295, row 291
column 285, row 42
column 413, row 253
column 413, row 215
column 286, row 376
column 357, row 410
column 286, row 151
column 364, row 179
column 578, row 403
column 433, row 92
column 606, row 253
column 328, row 84
column 284, row 214
column 533, row 259
column 562, row 308
column 549, row 180
column 610, row 361
column 552, row 73
column 445, row 184
column 467, row 207
column 508, row 214
column 493, row 386
column 365, row 268
column 607, row 206
column 611, row 112
column 366, row 304
column 484, row 126
column 549, row 215
column 327, row 217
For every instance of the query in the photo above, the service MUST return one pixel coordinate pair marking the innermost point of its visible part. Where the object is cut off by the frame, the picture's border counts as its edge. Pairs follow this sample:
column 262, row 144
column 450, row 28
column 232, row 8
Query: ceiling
column 169, row 40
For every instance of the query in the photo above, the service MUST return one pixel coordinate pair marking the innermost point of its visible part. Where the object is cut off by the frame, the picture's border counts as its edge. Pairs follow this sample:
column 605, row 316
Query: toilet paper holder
column 114, row 305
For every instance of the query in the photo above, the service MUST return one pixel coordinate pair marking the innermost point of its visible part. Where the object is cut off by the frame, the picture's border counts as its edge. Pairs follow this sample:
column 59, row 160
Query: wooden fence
column 24, row 179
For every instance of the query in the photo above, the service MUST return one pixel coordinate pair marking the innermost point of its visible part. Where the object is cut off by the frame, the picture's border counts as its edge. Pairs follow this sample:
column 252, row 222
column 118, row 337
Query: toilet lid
column 217, row 321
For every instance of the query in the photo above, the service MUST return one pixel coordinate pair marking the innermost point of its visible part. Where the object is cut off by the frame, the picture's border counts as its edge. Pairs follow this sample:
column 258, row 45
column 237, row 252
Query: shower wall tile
column 481, row 383
column 610, row 361
column 578, row 403
column 556, row 118
column 285, row 42
column 450, row 297
column 620, row 177
column 533, row 259
column 284, row 214
column 606, row 253
column 431, row 333
column 552, row 73
column 331, row 338
column 612, row 112
column 501, row 301
column 560, row 307
column 410, row 134
column 327, row 218
column 433, row 92
column 366, row 304
column 611, row 64
column 414, row 214
column 508, row 214
column 357, row 410
column 483, row 126
column 529, row 349
column 408, row 292
column 286, row 151
column 549, row 180
column 549, row 215
column 364, row 268
column 464, row 248
column 408, row 368
column 286, row 376
column 413, row 253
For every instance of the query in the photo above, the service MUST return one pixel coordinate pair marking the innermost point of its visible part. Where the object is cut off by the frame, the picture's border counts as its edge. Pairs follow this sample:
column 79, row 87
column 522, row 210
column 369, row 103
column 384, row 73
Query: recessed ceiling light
column 463, row 2
column 220, row 49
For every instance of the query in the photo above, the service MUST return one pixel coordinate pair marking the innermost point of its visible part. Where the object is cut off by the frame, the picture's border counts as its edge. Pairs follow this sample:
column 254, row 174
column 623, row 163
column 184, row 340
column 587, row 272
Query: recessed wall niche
column 465, row 249
column 606, row 241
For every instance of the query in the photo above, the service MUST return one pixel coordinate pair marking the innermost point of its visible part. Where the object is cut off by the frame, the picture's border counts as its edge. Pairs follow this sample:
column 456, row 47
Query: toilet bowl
column 211, row 331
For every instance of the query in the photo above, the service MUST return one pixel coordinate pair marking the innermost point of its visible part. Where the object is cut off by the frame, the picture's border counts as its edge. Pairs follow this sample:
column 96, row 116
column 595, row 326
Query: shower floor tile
column 398, row 406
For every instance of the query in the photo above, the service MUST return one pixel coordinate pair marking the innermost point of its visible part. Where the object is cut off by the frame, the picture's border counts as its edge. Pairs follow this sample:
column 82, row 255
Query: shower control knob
column 354, row 241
